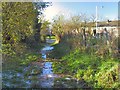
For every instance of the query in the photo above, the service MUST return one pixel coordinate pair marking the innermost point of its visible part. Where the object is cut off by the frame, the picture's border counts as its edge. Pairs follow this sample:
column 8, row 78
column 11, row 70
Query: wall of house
column 111, row 30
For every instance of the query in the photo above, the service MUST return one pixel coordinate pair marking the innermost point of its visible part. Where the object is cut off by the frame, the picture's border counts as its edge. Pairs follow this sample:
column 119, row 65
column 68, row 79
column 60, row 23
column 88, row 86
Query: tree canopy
column 18, row 21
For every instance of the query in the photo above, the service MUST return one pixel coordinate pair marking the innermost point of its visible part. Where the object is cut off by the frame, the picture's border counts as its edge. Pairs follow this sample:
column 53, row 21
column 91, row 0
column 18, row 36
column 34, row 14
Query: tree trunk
column 37, row 33
column 58, row 37
column 84, row 37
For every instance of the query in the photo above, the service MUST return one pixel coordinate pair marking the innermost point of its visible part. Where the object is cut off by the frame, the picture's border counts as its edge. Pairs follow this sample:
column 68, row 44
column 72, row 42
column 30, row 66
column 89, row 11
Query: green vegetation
column 19, row 28
column 20, row 61
column 76, row 52
column 51, row 37
column 94, row 60
column 20, row 46
column 98, row 72
column 18, row 22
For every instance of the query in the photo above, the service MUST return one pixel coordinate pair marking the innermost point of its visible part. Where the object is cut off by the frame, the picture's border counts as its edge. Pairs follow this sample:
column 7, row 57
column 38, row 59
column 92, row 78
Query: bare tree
column 76, row 23
column 85, row 20
column 57, row 27
column 93, row 18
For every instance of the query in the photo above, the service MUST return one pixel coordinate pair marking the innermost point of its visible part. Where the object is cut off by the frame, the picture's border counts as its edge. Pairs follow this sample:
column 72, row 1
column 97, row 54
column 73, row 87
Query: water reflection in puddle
column 47, row 71
column 47, row 48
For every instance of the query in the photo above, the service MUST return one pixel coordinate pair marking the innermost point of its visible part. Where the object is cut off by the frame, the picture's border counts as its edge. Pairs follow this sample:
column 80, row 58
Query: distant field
column 52, row 37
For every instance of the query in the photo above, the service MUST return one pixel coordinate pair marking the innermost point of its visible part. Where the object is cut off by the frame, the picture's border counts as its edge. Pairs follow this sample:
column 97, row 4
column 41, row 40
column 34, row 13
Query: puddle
column 47, row 48
column 47, row 71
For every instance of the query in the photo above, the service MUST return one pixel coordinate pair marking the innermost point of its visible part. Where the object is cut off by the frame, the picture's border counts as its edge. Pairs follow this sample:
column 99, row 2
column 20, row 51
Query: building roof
column 115, row 23
column 108, row 23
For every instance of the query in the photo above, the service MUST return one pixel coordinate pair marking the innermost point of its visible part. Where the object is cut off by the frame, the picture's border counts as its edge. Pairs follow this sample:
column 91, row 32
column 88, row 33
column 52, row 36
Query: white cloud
column 55, row 9
column 111, row 17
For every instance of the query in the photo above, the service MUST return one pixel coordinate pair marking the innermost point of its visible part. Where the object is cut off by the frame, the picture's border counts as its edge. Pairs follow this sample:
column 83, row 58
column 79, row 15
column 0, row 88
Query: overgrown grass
column 95, row 63
column 98, row 72
column 21, row 58
column 59, row 50
column 51, row 37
